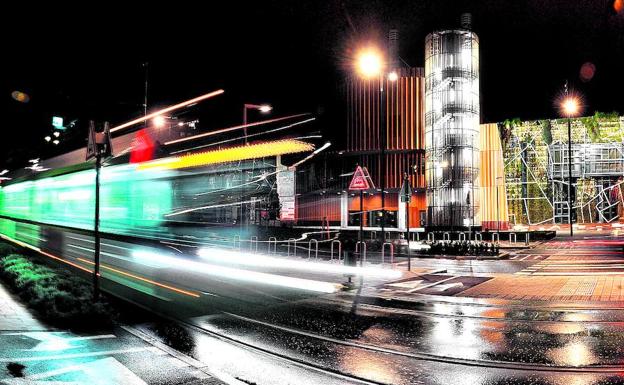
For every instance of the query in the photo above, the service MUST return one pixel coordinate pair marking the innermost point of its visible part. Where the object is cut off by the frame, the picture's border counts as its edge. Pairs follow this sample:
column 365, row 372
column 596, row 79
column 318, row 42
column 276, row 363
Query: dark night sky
column 86, row 62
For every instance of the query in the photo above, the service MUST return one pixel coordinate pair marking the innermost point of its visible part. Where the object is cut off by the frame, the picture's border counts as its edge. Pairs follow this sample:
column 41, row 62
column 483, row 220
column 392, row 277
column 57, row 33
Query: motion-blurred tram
column 228, row 190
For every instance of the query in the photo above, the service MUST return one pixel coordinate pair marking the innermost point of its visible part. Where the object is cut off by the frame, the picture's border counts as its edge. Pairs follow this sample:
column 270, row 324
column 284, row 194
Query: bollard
column 363, row 254
column 310, row 248
column 274, row 241
column 253, row 240
column 332, row 249
column 295, row 246
column 383, row 250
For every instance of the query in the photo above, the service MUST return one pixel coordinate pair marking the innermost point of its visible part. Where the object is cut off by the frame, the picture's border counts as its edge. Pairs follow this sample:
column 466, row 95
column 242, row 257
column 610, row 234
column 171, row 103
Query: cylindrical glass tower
column 452, row 128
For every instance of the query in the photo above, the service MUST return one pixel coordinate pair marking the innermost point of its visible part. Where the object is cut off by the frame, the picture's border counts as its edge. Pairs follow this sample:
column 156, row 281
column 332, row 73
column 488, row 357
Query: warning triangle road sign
column 361, row 180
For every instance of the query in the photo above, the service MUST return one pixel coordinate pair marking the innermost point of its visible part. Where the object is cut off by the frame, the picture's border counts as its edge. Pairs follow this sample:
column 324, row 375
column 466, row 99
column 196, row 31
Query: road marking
column 102, row 372
column 77, row 355
column 52, row 341
column 432, row 284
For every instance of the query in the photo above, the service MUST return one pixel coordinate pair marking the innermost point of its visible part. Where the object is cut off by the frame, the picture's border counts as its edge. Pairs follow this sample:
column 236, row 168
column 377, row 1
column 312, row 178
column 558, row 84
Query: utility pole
column 99, row 146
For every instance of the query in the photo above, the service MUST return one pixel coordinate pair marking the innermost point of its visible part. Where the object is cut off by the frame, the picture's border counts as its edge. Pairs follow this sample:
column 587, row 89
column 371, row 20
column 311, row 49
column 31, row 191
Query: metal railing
column 331, row 255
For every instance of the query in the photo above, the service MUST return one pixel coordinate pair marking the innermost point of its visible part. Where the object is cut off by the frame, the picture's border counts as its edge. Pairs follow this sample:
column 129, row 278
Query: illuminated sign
column 361, row 180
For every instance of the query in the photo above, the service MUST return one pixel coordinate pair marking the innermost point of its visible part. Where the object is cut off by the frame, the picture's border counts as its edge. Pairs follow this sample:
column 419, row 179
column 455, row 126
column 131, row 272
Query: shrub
column 6, row 249
column 59, row 298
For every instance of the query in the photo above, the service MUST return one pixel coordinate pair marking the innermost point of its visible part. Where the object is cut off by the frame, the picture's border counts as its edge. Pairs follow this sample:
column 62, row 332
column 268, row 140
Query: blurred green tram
column 143, row 202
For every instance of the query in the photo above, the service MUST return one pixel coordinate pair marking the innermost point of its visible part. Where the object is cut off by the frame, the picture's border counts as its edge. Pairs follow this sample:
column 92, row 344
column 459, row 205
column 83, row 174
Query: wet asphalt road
column 430, row 341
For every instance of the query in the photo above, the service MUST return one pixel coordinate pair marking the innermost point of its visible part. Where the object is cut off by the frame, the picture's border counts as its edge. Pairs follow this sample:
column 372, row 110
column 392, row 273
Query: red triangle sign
column 360, row 180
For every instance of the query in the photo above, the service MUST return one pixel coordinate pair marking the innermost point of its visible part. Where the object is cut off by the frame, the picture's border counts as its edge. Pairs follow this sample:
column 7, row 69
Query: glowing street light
column 55, row 141
column 56, row 134
column 369, row 63
column 263, row 108
column 47, row 138
column 159, row 121
column 570, row 107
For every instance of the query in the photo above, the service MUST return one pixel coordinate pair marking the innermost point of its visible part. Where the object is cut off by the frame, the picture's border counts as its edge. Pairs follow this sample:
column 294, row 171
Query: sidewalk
column 14, row 316
column 541, row 288
column 62, row 357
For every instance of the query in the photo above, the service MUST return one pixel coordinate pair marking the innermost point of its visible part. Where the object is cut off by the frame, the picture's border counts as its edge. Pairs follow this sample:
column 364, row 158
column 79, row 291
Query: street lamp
column 570, row 106
column 498, row 206
column 370, row 64
column 263, row 108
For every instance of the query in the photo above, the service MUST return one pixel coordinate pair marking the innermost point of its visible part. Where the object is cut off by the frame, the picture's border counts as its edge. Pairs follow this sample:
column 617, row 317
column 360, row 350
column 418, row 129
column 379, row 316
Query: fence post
column 515, row 239
column 430, row 237
column 462, row 236
column 446, row 236
column 497, row 237
column 373, row 235
column 478, row 237
column 236, row 240
column 527, row 239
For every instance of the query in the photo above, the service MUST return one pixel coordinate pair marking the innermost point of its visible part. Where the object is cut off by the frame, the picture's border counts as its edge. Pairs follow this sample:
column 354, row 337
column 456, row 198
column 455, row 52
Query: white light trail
column 223, row 130
column 233, row 257
column 238, row 274
column 210, row 207
column 168, row 109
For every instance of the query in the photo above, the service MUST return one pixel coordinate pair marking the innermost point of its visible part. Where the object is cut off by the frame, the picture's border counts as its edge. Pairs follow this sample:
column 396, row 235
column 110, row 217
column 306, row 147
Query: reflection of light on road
column 238, row 274
column 575, row 353
column 465, row 377
column 457, row 338
column 369, row 365
column 233, row 257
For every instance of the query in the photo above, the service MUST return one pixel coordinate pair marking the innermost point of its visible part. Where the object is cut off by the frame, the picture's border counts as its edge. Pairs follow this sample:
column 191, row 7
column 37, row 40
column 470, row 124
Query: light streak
column 172, row 288
column 240, row 275
column 223, row 130
column 168, row 109
column 210, row 207
column 261, row 150
column 249, row 136
column 312, row 154
column 233, row 257
column 23, row 244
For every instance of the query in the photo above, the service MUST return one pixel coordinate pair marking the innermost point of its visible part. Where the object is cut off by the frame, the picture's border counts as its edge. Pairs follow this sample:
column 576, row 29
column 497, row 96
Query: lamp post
column 370, row 64
column 264, row 108
column 498, row 206
column 570, row 107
